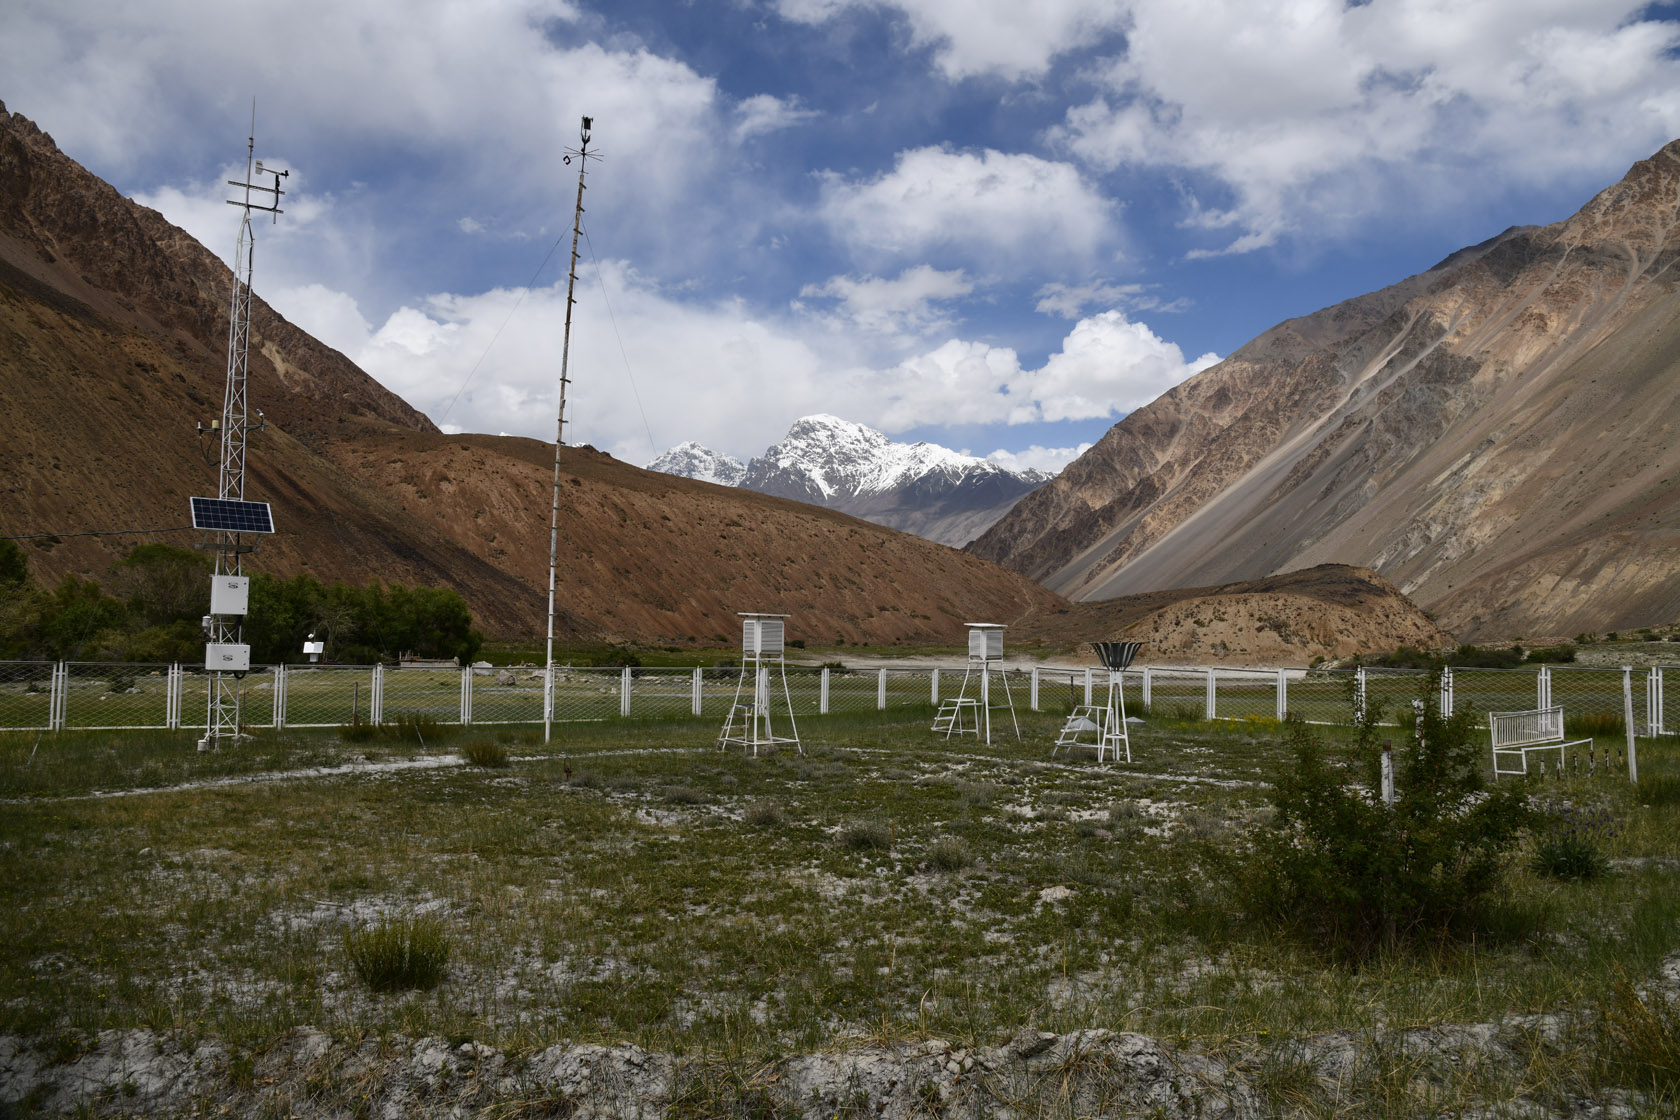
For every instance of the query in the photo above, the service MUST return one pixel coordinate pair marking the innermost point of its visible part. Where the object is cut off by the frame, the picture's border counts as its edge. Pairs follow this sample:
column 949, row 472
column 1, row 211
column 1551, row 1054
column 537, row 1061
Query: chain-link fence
column 105, row 695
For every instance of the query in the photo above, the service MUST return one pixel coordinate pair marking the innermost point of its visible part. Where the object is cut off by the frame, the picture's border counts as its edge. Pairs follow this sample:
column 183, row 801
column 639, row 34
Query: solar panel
column 231, row 516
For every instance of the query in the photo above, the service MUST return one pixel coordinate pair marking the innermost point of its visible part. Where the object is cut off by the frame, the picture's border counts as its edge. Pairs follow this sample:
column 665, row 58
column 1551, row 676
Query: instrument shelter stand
column 1104, row 723
column 750, row 724
column 970, row 716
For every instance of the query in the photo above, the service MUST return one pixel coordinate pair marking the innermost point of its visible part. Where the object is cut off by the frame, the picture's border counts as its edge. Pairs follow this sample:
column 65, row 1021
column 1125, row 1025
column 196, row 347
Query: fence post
column 1388, row 772
column 624, row 692
column 172, row 715
column 1148, row 691
column 1359, row 695
column 933, row 686
column 1654, row 701
column 1446, row 691
column 1282, row 695
column 376, row 697
column 698, row 678
column 822, row 694
column 881, row 691
column 1088, row 693
column 279, row 720
column 1627, row 717
column 55, row 698
column 1212, row 694
column 1543, row 687
column 1032, row 700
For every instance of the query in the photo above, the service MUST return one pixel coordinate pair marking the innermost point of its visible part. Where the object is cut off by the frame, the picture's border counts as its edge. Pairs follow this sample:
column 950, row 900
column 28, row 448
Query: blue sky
column 994, row 225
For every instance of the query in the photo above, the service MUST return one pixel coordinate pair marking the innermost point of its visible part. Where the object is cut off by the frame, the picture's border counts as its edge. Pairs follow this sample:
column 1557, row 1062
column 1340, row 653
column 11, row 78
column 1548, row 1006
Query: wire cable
column 96, row 533
column 491, row 344
column 601, row 280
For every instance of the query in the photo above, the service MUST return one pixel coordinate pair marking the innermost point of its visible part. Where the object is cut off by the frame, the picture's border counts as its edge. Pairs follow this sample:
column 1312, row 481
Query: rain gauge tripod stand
column 1106, row 723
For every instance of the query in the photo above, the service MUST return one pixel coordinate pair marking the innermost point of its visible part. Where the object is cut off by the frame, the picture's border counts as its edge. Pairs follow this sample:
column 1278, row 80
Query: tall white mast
column 584, row 155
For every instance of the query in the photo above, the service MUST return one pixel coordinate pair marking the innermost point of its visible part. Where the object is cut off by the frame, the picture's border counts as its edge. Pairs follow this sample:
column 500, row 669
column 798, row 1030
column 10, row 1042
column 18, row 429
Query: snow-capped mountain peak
column 692, row 460
column 922, row 488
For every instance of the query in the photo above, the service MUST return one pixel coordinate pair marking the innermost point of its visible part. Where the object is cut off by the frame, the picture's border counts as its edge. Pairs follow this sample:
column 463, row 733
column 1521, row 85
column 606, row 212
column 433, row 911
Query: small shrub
column 120, row 682
column 399, row 954
column 1351, row 875
column 866, row 836
column 684, row 795
column 1553, row 655
column 490, row 755
column 949, row 853
column 763, row 814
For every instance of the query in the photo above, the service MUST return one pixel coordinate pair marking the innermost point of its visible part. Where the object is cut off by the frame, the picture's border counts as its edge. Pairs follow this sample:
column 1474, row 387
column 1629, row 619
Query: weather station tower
column 228, row 518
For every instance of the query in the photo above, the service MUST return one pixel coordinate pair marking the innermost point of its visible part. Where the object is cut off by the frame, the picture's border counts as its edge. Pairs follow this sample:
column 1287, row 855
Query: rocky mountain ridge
column 921, row 488
column 1495, row 436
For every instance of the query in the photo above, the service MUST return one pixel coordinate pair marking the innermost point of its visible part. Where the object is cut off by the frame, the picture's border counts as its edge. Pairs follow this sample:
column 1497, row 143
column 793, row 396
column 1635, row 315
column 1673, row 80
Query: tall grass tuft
column 485, row 753
column 1639, row 1041
column 866, row 836
column 1659, row 789
column 398, row 954
column 949, row 853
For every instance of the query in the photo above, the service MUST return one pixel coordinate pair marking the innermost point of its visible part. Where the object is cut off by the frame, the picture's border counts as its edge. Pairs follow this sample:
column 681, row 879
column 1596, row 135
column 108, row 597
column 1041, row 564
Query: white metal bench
column 1517, row 734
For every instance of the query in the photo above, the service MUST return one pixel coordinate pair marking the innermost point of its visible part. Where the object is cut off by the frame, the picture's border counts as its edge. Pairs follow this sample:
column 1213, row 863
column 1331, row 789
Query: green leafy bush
column 1352, row 876
column 1554, row 655
column 398, row 954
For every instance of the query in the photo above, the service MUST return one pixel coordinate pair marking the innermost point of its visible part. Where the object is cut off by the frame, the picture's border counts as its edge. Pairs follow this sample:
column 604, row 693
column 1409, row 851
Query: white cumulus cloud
column 987, row 206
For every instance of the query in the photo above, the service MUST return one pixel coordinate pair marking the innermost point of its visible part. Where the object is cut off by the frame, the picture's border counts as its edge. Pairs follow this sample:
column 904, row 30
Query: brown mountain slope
column 1496, row 436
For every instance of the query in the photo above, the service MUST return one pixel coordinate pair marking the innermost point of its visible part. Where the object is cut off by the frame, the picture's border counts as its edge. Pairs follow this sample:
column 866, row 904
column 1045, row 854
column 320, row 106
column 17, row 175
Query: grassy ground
column 628, row 882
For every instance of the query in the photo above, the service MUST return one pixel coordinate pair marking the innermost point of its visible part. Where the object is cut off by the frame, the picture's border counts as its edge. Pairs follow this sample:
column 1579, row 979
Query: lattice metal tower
column 223, row 628
column 583, row 155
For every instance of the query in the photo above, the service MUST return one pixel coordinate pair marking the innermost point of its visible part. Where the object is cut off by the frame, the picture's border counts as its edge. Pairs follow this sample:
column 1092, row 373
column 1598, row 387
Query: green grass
column 630, row 882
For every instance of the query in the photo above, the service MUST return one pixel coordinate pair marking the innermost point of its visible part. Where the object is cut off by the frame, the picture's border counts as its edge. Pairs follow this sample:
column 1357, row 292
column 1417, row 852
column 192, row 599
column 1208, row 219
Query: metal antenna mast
column 584, row 155
column 224, row 626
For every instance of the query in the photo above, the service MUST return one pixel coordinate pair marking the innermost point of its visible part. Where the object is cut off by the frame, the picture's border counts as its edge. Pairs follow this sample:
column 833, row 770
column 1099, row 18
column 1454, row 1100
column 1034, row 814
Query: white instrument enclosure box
column 230, row 595
column 227, row 657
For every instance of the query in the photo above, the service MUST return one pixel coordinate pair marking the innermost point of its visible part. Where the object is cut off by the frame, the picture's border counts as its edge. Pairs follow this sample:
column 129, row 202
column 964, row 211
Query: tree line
column 151, row 605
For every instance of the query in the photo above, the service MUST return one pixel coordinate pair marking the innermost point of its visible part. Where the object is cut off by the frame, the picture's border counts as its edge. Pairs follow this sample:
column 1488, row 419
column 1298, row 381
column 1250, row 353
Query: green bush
column 398, row 954
column 1478, row 657
column 1352, row 876
column 1554, row 655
